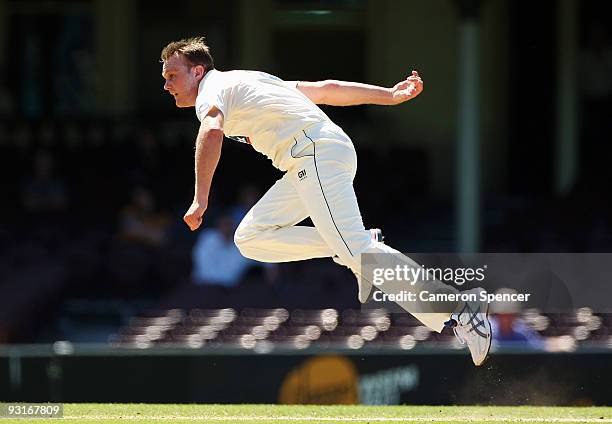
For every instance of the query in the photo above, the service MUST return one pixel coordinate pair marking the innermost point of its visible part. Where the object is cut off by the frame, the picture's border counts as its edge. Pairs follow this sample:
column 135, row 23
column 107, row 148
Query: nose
column 167, row 86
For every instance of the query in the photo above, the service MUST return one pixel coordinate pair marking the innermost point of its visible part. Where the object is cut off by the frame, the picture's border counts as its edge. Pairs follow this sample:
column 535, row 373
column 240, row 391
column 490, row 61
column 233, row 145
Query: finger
column 196, row 224
column 189, row 221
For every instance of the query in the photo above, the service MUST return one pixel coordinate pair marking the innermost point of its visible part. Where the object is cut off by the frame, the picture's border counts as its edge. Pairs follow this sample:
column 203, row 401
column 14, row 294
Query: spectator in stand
column 141, row 222
column 216, row 259
column 135, row 262
column 509, row 329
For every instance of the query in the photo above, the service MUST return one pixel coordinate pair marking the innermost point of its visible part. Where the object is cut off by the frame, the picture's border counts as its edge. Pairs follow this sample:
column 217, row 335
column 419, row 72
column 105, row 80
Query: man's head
column 185, row 62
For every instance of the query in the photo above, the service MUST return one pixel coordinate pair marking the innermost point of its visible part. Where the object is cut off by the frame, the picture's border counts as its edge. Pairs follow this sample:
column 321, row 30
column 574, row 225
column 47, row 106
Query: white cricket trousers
column 319, row 184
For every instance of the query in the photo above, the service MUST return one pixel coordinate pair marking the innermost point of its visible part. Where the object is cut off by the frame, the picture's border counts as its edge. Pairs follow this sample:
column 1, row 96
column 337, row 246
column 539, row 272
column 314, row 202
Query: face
column 182, row 80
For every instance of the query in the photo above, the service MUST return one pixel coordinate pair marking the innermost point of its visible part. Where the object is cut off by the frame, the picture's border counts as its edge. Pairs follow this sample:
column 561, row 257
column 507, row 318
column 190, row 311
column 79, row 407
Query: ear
column 198, row 71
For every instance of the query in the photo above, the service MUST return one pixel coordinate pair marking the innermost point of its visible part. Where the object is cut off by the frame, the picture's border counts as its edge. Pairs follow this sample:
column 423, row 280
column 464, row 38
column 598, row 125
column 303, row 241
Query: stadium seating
column 329, row 328
column 85, row 261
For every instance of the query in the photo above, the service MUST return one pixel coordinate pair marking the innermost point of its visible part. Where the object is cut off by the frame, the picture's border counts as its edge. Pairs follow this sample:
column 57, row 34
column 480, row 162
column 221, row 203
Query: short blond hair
column 194, row 49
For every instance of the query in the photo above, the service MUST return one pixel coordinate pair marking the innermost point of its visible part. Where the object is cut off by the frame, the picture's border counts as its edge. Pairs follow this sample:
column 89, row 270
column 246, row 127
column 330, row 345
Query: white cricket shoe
column 472, row 327
column 365, row 287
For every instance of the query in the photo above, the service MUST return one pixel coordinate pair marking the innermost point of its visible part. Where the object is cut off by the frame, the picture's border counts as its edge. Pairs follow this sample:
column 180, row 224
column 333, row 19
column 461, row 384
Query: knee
column 241, row 239
column 245, row 239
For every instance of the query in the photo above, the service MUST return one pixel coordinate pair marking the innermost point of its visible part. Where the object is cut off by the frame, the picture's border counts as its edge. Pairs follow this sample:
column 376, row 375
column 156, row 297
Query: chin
column 182, row 104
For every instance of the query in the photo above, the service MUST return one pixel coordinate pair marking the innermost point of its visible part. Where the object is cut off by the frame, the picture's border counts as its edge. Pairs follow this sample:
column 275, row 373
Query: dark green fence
column 94, row 373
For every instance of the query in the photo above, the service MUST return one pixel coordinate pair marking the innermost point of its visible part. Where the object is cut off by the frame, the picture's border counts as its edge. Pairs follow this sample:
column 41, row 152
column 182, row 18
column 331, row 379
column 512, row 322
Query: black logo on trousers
column 302, row 174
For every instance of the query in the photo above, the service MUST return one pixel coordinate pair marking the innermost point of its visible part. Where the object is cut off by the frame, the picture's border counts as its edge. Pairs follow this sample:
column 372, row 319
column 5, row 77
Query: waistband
column 302, row 141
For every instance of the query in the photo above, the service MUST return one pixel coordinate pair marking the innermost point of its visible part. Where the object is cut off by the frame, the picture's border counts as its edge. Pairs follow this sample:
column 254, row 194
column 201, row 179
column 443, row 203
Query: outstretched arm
column 344, row 93
column 207, row 154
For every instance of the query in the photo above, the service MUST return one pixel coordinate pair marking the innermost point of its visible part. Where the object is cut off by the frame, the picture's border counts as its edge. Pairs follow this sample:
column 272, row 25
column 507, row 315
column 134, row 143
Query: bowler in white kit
column 281, row 120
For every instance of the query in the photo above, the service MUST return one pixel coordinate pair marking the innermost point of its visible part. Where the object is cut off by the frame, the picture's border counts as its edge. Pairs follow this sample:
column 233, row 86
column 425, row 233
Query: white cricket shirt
column 264, row 111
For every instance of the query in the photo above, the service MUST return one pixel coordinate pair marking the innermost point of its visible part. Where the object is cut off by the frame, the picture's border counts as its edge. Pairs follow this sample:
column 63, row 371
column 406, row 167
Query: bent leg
column 329, row 198
column 268, row 232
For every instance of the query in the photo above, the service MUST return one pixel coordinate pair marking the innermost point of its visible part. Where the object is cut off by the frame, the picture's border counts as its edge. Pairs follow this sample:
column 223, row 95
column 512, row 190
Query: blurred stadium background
column 105, row 296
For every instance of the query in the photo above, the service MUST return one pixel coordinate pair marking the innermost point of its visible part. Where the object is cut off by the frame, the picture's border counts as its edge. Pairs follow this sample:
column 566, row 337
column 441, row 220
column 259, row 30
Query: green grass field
column 260, row 414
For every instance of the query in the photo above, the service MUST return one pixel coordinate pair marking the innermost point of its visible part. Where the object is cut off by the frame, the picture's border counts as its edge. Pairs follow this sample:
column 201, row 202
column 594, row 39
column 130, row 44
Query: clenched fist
column 193, row 217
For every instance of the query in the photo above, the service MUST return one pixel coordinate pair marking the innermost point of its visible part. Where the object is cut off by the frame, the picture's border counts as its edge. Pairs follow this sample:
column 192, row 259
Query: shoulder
column 241, row 75
column 215, row 81
column 231, row 75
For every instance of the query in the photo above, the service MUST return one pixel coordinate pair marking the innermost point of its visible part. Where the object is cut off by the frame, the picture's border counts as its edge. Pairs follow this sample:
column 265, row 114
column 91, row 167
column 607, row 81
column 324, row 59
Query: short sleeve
column 213, row 93
column 291, row 84
column 209, row 100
